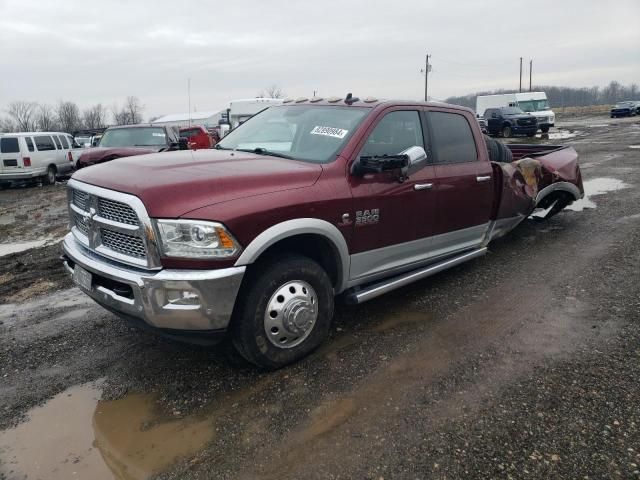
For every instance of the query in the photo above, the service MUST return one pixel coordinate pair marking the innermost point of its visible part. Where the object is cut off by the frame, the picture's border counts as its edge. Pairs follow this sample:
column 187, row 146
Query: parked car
column 131, row 140
column 509, row 121
column 38, row 156
column 253, row 239
column 624, row 109
column 197, row 136
column 534, row 103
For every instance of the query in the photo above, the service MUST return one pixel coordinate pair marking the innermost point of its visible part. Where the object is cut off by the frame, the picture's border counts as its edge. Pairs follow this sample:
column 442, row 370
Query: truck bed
column 532, row 151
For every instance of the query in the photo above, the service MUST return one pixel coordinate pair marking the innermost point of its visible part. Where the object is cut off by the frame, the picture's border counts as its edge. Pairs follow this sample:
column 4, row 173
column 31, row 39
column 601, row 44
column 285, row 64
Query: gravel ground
column 521, row 364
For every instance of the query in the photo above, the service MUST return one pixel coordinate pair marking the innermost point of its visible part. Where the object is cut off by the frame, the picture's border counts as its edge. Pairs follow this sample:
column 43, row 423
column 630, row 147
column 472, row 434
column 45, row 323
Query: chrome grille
column 81, row 199
column 123, row 243
column 117, row 212
column 82, row 224
column 112, row 224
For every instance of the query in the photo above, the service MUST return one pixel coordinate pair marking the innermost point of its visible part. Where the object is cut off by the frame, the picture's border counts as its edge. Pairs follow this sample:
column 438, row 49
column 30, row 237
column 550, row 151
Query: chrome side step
column 375, row 290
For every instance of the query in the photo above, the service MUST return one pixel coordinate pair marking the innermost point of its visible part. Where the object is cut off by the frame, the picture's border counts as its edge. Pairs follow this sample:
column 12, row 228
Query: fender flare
column 559, row 187
column 301, row 226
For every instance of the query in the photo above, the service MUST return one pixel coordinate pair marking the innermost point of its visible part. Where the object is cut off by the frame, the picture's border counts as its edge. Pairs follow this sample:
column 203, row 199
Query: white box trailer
column 535, row 103
column 241, row 110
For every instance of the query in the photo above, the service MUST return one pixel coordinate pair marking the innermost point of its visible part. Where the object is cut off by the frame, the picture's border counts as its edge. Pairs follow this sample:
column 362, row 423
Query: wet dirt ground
column 521, row 364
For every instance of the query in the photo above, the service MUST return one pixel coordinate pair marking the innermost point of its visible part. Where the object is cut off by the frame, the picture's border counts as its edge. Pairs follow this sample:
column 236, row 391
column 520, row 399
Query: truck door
column 463, row 185
column 392, row 216
column 10, row 157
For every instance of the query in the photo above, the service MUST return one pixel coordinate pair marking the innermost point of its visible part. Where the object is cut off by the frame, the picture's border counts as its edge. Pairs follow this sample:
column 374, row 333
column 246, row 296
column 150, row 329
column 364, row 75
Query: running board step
column 375, row 290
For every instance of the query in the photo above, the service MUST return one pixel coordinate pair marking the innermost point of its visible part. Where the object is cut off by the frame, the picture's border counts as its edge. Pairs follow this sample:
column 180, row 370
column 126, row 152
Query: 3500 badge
column 367, row 217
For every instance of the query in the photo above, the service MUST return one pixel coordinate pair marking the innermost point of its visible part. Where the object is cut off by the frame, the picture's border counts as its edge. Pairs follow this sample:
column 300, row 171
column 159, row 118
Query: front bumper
column 524, row 130
column 174, row 300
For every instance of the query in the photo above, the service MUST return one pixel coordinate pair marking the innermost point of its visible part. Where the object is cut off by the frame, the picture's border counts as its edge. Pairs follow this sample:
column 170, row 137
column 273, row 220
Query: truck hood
column 171, row 184
column 103, row 154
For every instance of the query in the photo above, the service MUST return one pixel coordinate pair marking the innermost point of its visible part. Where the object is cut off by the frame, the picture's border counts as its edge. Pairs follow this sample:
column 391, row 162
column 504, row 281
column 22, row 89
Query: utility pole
column 427, row 68
column 530, row 74
column 189, row 94
column 520, row 90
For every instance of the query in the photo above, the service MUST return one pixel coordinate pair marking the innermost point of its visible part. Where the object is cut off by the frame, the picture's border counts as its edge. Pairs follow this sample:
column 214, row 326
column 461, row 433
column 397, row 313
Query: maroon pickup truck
column 305, row 201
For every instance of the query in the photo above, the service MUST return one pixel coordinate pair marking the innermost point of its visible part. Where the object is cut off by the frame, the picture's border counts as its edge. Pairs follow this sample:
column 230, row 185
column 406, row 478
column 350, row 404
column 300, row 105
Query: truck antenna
column 350, row 99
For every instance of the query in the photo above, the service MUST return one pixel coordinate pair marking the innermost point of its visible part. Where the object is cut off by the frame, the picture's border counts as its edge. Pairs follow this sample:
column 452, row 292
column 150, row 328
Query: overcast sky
column 91, row 52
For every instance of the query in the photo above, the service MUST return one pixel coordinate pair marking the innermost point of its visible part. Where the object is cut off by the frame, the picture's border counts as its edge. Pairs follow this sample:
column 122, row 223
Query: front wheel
column 506, row 132
column 284, row 312
column 545, row 129
column 50, row 177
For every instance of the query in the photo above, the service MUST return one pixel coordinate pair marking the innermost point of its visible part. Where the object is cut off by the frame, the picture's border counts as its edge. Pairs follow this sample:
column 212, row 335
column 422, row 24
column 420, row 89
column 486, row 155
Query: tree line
column 66, row 116
column 560, row 97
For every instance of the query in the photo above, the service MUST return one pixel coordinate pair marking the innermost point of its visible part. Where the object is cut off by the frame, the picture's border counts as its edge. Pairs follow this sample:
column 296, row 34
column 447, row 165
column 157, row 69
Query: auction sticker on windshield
column 329, row 131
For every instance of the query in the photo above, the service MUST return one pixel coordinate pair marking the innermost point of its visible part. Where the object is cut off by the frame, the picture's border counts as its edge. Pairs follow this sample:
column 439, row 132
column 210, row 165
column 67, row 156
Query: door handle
column 423, row 186
column 483, row 178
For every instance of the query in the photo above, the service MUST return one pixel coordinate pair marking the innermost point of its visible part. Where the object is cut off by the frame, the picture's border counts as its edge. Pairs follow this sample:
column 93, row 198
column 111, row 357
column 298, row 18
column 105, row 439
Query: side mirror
column 379, row 163
column 415, row 154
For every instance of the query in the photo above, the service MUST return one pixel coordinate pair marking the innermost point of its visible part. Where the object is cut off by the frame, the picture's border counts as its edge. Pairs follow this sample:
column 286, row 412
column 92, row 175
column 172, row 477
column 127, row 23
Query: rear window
column 58, row 142
column 452, row 138
column 190, row 133
column 29, row 143
column 64, row 141
column 9, row 145
column 44, row 143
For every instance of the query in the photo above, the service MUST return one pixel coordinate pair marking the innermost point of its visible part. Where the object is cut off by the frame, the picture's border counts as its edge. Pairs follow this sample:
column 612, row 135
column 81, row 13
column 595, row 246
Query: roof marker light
column 301, row 99
column 334, row 99
column 316, row 99
column 287, row 100
column 370, row 100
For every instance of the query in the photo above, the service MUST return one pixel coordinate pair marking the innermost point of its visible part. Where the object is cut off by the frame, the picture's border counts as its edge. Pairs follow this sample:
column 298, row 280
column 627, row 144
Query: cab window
column 9, row 145
column 452, row 137
column 29, row 143
column 396, row 132
column 58, row 143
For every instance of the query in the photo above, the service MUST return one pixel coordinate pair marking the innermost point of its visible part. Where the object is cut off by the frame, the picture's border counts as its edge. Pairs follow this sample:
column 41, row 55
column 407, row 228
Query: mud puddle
column 75, row 435
column 15, row 247
column 594, row 187
column 634, row 146
column 559, row 135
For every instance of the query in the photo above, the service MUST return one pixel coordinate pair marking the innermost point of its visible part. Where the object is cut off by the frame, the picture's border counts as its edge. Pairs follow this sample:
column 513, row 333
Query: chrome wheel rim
column 291, row 314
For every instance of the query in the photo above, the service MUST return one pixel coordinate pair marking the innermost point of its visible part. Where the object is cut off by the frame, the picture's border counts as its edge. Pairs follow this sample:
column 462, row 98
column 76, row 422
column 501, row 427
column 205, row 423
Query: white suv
column 35, row 155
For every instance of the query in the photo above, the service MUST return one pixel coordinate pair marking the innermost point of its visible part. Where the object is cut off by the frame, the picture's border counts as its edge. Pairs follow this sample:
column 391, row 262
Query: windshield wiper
column 264, row 151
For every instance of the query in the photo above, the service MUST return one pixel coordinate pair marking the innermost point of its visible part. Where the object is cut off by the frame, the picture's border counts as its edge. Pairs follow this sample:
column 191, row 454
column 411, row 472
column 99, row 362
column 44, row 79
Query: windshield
column 512, row 111
column 83, row 140
column 624, row 104
column 533, row 105
column 304, row 132
column 134, row 137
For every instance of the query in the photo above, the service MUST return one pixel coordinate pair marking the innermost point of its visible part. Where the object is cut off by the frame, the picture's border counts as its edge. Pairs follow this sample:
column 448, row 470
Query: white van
column 535, row 103
column 35, row 155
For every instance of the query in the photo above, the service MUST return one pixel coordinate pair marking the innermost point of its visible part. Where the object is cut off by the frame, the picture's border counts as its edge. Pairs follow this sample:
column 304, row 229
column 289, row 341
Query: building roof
column 182, row 117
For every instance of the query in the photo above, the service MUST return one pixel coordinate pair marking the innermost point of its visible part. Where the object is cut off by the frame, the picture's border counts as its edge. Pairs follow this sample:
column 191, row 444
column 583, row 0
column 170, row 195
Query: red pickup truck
column 305, row 201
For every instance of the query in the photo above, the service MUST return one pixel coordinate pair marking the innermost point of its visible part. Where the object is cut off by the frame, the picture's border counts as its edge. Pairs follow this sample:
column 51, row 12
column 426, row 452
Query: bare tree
column 130, row 113
column 95, row 117
column 68, row 116
column 7, row 125
column 24, row 114
column 46, row 118
column 134, row 109
column 272, row 91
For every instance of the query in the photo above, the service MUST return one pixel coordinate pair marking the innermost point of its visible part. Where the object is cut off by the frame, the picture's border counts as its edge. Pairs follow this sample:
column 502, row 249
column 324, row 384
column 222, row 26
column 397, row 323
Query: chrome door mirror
column 415, row 154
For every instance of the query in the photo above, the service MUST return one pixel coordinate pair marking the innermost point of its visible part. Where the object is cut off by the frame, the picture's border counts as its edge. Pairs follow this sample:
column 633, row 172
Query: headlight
column 196, row 239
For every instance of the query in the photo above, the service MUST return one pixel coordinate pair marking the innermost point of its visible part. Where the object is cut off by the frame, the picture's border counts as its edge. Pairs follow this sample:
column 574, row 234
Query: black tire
column 506, row 131
column 50, row 177
column 497, row 151
column 249, row 324
column 545, row 129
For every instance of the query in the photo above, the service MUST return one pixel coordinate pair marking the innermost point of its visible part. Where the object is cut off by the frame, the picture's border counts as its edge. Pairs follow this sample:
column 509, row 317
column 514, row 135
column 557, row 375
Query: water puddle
column 596, row 186
column 559, row 135
column 599, row 125
column 634, row 146
column 74, row 435
column 15, row 247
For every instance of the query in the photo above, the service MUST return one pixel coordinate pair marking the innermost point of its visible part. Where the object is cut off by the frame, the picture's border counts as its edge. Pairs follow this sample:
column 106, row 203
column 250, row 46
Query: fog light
column 182, row 297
